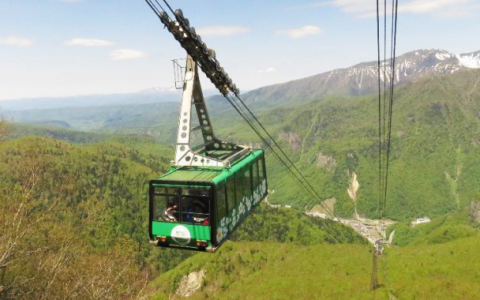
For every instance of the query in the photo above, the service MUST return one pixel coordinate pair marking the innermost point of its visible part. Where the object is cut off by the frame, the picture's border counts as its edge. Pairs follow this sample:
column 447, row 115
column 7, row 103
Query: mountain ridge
column 362, row 79
column 357, row 80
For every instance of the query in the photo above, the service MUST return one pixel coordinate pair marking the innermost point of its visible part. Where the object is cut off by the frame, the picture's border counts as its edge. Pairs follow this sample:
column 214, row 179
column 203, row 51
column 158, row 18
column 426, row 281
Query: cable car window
column 221, row 204
column 164, row 190
column 239, row 186
column 231, row 193
column 160, row 190
column 166, row 208
column 261, row 170
column 255, row 174
column 196, row 192
column 195, row 206
column 248, row 182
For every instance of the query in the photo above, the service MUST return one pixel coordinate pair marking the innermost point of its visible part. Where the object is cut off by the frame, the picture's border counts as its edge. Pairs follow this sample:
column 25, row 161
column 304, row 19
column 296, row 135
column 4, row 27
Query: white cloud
column 15, row 41
column 268, row 70
column 125, row 54
column 88, row 43
column 426, row 6
column 301, row 32
column 311, row 5
column 367, row 8
column 222, row 30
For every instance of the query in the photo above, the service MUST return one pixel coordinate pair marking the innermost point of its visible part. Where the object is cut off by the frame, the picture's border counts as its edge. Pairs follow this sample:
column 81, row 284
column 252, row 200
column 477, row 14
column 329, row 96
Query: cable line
column 240, row 111
column 168, row 5
column 380, row 136
column 385, row 121
column 281, row 150
column 154, row 8
column 392, row 83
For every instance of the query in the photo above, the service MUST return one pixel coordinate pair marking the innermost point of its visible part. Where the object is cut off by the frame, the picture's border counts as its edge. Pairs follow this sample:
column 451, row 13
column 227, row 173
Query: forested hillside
column 435, row 147
column 75, row 219
column 73, row 222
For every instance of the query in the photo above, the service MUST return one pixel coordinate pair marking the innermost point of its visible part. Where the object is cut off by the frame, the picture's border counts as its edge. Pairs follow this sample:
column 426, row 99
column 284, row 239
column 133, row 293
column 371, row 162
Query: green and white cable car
column 210, row 189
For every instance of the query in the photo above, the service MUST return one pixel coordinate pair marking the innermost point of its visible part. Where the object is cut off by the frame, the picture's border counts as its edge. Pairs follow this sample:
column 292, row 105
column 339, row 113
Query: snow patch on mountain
column 443, row 56
column 471, row 60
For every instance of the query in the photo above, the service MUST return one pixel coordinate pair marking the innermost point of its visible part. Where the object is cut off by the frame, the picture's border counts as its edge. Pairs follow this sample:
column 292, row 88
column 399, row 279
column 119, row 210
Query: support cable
column 392, row 83
column 385, row 123
column 292, row 174
column 153, row 7
column 280, row 148
column 161, row 7
column 168, row 5
column 380, row 135
column 295, row 176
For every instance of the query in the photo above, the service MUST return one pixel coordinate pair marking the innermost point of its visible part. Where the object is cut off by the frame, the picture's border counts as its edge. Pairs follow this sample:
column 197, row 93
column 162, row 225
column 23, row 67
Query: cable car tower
column 213, row 152
column 199, row 55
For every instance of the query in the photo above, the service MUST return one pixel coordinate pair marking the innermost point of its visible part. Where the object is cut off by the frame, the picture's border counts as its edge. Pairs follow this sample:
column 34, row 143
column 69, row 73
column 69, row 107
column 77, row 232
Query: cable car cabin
column 197, row 208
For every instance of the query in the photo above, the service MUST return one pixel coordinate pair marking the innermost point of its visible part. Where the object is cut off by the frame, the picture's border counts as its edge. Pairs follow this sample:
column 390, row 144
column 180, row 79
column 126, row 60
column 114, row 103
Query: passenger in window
column 171, row 213
column 195, row 210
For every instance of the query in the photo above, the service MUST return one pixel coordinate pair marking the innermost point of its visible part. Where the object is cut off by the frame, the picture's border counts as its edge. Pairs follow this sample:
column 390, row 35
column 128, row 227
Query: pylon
column 374, row 281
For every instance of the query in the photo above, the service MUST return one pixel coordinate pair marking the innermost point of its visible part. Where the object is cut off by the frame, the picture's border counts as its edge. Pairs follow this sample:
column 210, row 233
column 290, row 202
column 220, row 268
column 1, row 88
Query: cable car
column 211, row 188
column 198, row 207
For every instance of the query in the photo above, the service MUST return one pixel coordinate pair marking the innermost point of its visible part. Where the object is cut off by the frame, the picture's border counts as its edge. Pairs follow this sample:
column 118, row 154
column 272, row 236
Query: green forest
column 74, row 205
column 75, row 218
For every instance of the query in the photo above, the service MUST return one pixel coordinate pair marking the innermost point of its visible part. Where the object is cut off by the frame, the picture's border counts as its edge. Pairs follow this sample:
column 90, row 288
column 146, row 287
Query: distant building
column 475, row 211
column 420, row 221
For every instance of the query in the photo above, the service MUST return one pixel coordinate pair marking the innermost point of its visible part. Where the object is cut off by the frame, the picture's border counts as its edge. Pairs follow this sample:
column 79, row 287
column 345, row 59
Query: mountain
column 147, row 96
column 362, row 79
column 94, row 118
column 126, row 110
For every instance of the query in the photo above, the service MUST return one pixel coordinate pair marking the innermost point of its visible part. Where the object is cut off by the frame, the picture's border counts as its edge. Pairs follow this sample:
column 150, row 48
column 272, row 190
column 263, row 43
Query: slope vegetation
column 74, row 218
column 246, row 270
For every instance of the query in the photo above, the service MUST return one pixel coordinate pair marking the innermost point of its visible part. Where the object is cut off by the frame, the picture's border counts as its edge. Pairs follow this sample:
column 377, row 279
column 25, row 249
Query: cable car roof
column 209, row 174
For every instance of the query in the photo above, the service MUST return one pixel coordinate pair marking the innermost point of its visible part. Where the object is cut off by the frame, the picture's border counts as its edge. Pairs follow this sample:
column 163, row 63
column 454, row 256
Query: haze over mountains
column 360, row 79
column 153, row 95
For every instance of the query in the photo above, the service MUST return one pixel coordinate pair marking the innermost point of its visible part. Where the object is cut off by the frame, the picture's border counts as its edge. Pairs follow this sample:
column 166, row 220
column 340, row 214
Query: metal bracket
column 178, row 72
column 185, row 155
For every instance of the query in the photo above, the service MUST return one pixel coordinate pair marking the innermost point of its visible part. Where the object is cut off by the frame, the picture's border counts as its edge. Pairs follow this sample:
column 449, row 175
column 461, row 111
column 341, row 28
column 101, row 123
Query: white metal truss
column 185, row 155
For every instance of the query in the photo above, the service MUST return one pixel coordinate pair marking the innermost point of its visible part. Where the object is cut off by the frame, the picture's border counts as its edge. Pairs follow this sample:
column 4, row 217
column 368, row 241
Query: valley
column 80, row 175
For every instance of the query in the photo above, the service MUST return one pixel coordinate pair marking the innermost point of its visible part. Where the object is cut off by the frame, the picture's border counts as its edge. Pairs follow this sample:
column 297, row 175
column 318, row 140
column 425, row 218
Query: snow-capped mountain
column 362, row 79
column 160, row 90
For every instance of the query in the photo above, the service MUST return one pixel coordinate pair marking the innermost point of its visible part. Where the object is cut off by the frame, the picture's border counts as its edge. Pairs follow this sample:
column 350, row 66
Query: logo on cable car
column 181, row 235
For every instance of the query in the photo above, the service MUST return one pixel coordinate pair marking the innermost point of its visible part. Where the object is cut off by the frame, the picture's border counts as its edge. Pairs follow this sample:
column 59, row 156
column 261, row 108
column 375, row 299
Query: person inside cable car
column 195, row 207
column 171, row 212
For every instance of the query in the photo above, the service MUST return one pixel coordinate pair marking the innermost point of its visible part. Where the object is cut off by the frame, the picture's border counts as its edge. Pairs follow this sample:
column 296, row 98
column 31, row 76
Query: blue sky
column 75, row 47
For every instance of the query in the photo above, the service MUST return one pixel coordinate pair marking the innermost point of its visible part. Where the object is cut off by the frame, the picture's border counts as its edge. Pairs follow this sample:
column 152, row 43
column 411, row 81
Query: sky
column 56, row 48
